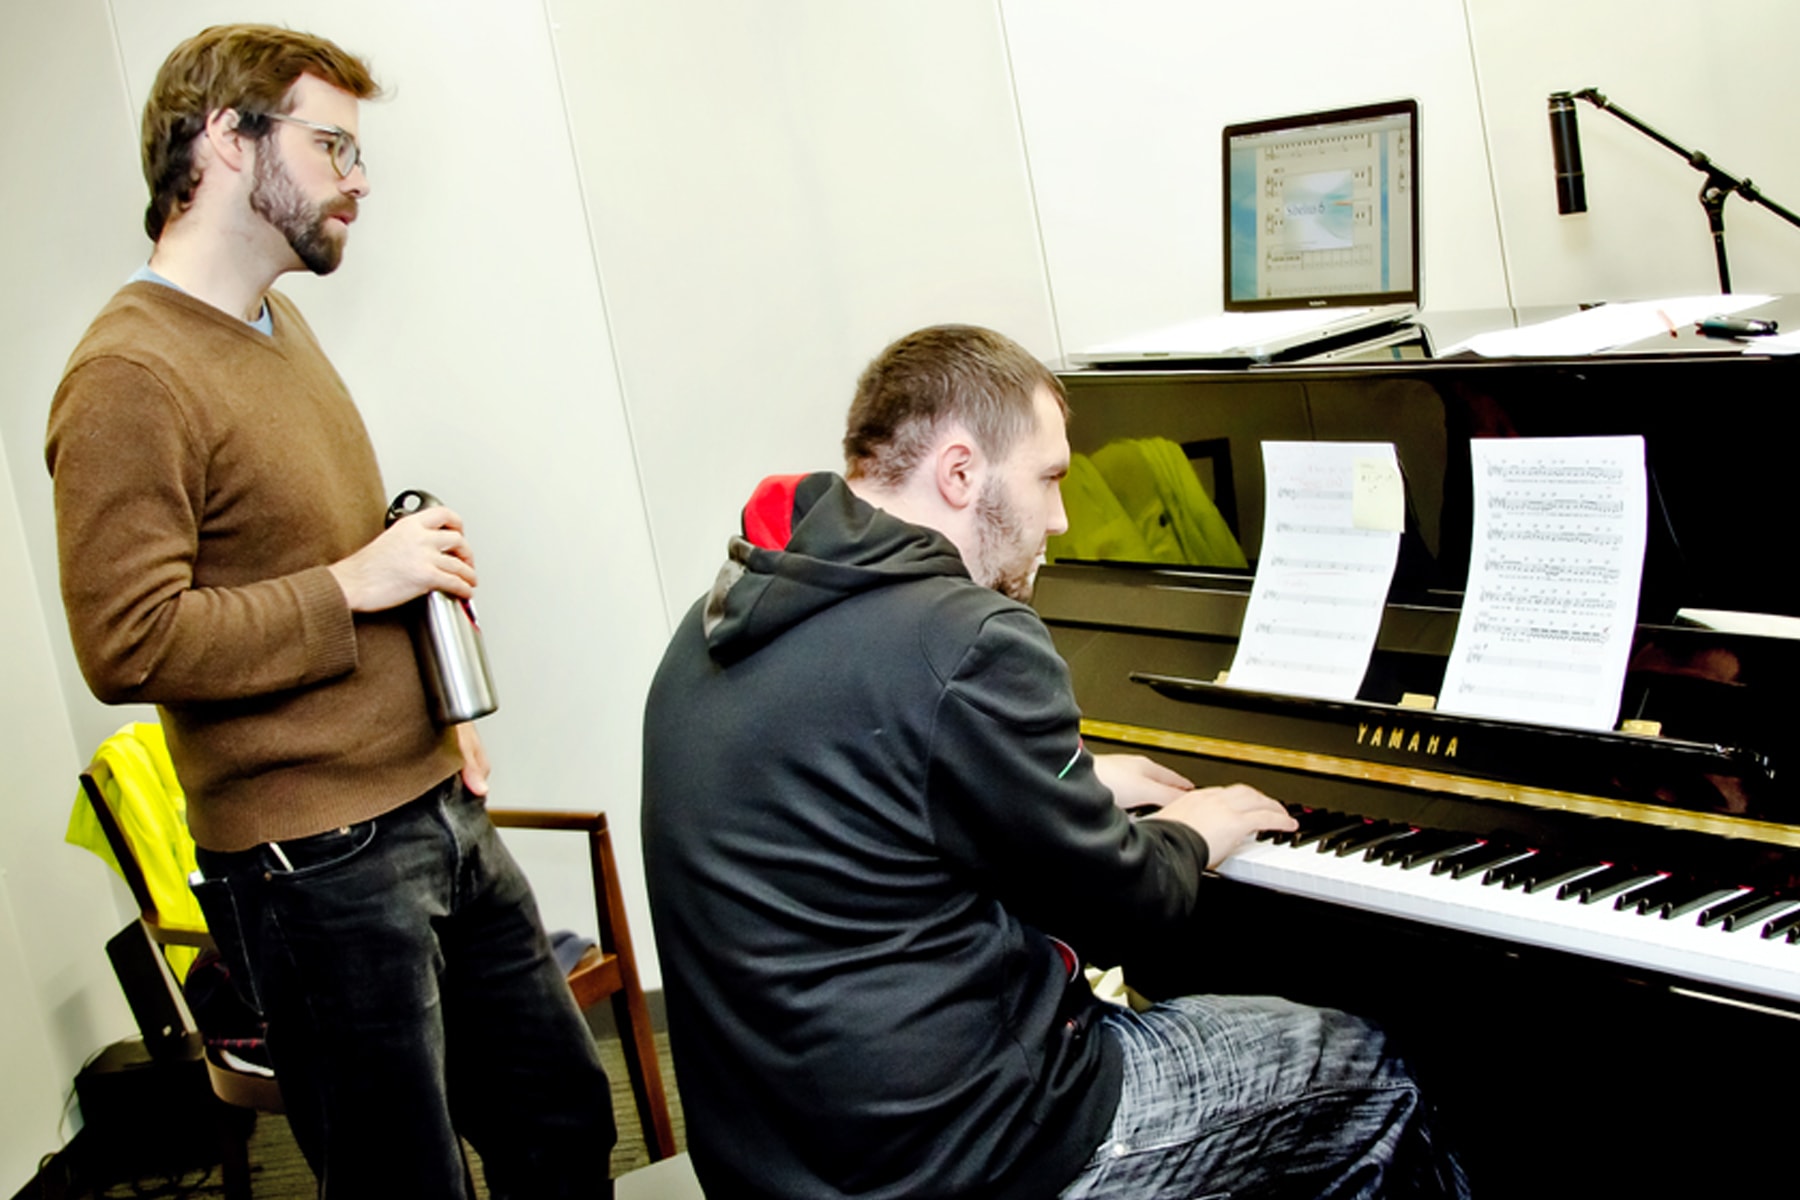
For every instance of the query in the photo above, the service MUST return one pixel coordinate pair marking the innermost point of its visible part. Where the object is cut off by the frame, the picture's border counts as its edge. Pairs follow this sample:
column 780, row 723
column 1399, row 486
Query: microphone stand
column 1717, row 188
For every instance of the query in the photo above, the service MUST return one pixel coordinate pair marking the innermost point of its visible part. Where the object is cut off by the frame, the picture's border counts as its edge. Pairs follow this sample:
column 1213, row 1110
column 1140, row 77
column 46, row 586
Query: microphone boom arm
column 1717, row 188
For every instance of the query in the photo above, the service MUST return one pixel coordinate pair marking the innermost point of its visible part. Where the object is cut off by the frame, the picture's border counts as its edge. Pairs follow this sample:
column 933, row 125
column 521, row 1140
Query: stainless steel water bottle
column 447, row 639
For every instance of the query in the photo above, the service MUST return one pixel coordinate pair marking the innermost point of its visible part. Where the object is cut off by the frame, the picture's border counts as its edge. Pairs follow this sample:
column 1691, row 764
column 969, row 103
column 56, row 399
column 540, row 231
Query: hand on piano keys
column 1227, row 817
column 1732, row 933
column 1137, row 782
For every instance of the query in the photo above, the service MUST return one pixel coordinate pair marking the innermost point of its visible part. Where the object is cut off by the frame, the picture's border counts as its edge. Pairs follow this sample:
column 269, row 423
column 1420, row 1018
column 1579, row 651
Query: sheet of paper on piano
column 1780, row 343
column 1331, row 536
column 1603, row 327
column 1771, row 625
column 1551, row 601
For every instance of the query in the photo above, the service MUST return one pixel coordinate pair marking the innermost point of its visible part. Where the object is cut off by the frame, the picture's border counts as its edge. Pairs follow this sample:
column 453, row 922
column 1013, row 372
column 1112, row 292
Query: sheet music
column 1551, row 602
column 1604, row 327
column 1331, row 536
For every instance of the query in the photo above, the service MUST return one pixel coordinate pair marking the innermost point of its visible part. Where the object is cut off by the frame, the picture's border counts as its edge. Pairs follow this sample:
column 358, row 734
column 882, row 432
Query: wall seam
column 1037, row 219
column 612, row 345
column 1487, row 150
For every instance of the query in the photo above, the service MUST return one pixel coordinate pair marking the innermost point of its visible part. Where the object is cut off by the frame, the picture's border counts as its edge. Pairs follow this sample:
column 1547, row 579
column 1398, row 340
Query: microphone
column 1565, row 144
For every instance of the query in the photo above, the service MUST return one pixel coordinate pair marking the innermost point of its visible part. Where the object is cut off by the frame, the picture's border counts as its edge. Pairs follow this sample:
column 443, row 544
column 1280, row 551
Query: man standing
column 869, row 819
column 220, row 523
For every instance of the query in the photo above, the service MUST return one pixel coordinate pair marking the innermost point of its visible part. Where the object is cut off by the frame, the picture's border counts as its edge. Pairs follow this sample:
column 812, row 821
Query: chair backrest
column 130, row 793
column 135, row 801
column 611, row 969
column 96, row 781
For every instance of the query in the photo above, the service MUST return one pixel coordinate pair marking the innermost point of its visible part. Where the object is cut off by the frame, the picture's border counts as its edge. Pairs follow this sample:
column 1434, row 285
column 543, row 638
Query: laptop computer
column 1321, row 241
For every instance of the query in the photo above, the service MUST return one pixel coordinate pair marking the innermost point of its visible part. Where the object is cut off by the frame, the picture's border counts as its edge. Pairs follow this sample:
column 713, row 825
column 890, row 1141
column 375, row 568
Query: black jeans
column 411, row 995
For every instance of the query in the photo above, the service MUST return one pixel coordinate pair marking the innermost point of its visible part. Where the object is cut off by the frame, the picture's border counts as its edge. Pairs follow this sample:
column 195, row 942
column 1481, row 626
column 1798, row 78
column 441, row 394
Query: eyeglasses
column 346, row 155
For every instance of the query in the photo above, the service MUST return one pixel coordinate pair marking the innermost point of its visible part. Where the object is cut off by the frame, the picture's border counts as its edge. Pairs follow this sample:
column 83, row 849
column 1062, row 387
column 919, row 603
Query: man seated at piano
column 877, row 851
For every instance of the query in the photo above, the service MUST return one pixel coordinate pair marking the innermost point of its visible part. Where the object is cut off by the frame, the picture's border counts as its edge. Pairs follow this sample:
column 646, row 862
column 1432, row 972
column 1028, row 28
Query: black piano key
column 1282, row 837
column 1345, row 844
column 1527, row 871
column 1540, row 871
column 1756, row 913
column 1481, row 858
column 1495, row 877
column 1575, row 869
column 1652, row 897
column 1789, row 925
column 1427, row 847
column 1323, row 825
column 1602, row 884
column 1608, row 875
column 1414, row 841
column 1371, row 849
column 1644, row 897
column 1695, row 895
column 1337, row 837
column 1715, row 913
column 1675, row 895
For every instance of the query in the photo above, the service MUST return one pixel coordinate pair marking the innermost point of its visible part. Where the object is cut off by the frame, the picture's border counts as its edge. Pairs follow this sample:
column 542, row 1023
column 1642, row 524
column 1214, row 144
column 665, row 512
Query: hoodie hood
column 809, row 543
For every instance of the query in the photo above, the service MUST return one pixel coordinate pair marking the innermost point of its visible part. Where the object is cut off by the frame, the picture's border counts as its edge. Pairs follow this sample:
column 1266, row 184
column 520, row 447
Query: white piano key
column 1741, row 959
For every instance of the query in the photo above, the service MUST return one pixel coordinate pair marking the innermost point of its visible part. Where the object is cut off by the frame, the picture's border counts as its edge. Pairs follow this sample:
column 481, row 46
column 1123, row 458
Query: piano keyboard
column 1741, row 937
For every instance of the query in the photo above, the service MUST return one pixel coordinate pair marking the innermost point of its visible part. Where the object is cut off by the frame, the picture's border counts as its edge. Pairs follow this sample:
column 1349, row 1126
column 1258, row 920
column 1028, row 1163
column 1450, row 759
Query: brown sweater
column 206, row 475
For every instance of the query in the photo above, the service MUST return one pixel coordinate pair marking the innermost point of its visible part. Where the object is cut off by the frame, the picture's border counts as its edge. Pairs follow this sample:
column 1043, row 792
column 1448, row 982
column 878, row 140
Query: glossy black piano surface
column 1543, row 1030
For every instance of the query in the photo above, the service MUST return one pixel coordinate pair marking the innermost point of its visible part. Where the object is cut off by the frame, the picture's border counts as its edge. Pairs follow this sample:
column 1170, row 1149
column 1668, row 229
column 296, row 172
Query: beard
column 275, row 198
column 1003, row 560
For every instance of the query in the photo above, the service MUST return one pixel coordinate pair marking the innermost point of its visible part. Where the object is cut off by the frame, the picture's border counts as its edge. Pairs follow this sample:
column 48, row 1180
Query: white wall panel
column 30, row 1103
column 73, row 204
column 70, row 235
column 1717, row 80
column 1123, row 104
column 57, row 907
column 777, row 190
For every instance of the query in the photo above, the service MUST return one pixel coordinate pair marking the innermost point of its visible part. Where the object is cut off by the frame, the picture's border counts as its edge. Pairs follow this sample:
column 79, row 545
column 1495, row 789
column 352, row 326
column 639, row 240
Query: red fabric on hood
column 769, row 516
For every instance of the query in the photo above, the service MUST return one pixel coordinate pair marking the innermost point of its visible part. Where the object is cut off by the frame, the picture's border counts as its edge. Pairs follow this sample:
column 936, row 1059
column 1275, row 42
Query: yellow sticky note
column 1377, row 496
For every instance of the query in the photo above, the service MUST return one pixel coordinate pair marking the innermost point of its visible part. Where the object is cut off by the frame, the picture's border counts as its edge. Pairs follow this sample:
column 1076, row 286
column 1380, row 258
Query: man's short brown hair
column 244, row 67
column 941, row 376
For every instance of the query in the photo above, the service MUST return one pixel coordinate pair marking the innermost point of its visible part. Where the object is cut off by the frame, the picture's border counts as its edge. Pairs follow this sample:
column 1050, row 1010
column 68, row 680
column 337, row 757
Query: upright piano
column 1588, row 944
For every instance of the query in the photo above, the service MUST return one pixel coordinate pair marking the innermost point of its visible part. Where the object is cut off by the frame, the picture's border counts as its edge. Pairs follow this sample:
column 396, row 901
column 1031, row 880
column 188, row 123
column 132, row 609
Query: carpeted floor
column 279, row 1173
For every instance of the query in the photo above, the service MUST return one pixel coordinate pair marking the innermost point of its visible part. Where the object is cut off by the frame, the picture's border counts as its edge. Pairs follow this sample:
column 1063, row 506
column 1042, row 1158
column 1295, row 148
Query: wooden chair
column 240, row 1089
column 610, row 969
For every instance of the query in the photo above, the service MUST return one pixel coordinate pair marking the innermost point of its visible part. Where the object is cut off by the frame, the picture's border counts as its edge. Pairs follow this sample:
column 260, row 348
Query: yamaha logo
column 1407, row 742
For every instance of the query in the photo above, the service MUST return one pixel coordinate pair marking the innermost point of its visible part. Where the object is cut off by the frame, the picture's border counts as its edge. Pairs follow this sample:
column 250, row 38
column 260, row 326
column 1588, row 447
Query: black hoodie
column 866, row 809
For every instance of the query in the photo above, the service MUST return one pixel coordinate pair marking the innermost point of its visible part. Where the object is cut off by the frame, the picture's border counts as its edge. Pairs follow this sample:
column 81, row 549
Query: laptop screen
column 1323, row 209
